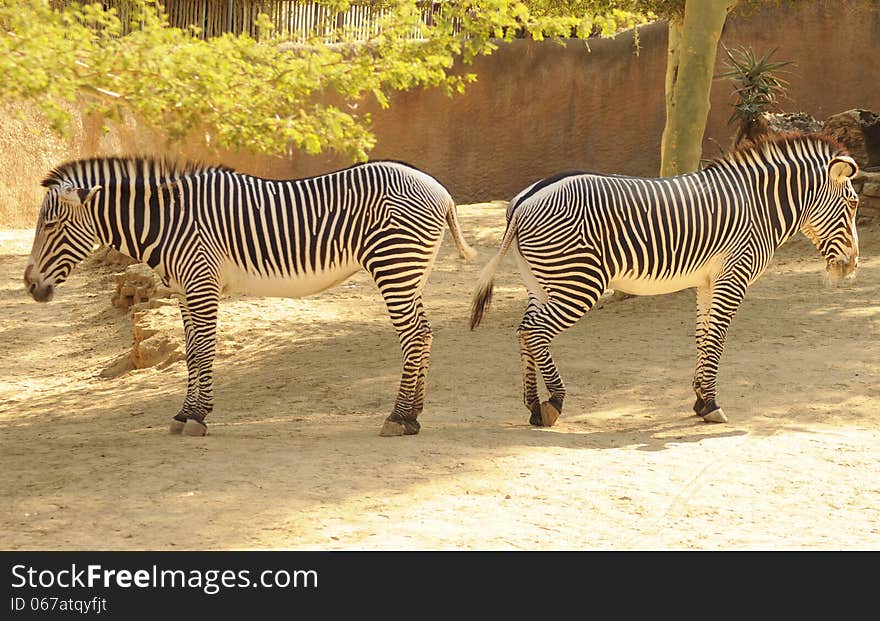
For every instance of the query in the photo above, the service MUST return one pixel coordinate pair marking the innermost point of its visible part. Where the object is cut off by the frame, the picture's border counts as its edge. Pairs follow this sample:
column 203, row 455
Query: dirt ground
column 293, row 459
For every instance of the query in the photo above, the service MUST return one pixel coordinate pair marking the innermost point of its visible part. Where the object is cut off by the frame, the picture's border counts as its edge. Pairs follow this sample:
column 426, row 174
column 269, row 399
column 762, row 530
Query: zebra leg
column 537, row 344
column 727, row 295
column 192, row 370
column 202, row 307
column 415, row 342
column 399, row 262
column 530, row 379
column 421, row 380
column 704, row 303
column 536, row 333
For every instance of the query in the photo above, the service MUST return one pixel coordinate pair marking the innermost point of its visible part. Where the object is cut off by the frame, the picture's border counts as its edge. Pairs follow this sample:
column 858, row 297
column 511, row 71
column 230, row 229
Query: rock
column 869, row 208
column 153, row 303
column 158, row 349
column 776, row 123
column 157, row 339
column 859, row 131
column 105, row 255
column 118, row 366
column 867, row 184
column 790, row 122
column 137, row 284
column 871, row 188
column 154, row 344
column 858, row 181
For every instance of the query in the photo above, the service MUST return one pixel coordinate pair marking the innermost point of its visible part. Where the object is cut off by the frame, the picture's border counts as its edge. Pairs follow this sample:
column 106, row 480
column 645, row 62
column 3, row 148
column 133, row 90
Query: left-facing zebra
column 211, row 230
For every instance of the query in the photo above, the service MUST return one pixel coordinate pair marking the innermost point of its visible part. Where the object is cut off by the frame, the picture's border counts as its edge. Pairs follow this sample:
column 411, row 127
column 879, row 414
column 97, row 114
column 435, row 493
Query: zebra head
column 65, row 235
column 831, row 223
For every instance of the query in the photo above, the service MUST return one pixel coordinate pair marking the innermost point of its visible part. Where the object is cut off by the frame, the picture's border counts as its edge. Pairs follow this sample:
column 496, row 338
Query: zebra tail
column 483, row 295
column 464, row 250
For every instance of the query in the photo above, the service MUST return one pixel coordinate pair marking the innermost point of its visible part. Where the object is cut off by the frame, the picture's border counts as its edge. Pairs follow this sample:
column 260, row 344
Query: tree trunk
column 693, row 44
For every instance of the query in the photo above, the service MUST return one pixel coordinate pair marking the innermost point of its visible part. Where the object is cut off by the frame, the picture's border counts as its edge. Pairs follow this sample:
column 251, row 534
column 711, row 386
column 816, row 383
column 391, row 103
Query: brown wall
column 536, row 108
column 540, row 108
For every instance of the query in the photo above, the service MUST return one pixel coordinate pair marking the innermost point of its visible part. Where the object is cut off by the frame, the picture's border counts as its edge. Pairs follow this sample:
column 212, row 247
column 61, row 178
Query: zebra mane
column 768, row 148
column 131, row 167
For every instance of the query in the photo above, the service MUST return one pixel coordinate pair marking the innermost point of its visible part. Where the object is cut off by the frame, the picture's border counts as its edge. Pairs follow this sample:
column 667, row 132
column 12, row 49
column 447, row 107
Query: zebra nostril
column 32, row 286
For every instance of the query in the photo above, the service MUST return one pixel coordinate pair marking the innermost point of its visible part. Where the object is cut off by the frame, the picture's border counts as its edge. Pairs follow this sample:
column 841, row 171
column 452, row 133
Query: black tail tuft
column 483, row 296
column 481, row 302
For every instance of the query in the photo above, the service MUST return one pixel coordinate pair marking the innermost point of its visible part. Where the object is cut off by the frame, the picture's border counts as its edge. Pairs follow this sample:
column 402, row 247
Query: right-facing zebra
column 577, row 234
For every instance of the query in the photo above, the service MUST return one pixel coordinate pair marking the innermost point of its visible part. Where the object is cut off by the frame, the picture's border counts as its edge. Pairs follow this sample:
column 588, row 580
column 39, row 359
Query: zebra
column 576, row 235
column 208, row 230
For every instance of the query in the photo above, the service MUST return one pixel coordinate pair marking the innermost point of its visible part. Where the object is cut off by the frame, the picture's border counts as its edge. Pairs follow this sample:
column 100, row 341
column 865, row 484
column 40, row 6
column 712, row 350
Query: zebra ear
column 842, row 168
column 80, row 196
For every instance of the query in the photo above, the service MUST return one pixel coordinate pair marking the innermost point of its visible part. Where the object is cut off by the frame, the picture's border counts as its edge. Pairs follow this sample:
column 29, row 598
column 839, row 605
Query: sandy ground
column 293, row 459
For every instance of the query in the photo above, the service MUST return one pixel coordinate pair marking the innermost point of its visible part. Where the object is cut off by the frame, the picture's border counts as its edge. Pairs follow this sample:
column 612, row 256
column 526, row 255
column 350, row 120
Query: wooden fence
column 292, row 18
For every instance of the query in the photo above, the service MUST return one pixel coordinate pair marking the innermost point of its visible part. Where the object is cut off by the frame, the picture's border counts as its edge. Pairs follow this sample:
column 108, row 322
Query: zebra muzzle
column 41, row 292
column 36, row 286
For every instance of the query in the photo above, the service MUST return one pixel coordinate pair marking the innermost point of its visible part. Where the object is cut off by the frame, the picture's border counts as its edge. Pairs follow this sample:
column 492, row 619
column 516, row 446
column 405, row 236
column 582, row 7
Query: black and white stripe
column 207, row 230
column 578, row 234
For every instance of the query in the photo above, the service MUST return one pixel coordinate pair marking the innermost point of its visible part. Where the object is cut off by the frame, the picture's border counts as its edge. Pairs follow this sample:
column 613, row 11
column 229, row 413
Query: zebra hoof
column 411, row 427
column 176, row 427
column 396, row 425
column 194, row 428
column 715, row 416
column 549, row 414
column 393, row 427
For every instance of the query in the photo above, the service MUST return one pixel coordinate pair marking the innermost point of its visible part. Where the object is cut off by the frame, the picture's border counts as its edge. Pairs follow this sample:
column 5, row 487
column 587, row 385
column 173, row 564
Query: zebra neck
column 128, row 221
column 783, row 195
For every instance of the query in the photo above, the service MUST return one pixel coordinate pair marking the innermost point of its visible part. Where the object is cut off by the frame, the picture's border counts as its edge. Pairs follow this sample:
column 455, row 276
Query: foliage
column 665, row 9
column 594, row 17
column 672, row 10
column 266, row 96
column 757, row 86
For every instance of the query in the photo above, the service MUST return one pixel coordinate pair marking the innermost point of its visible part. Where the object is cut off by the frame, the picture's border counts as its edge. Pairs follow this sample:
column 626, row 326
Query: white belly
column 658, row 286
column 235, row 280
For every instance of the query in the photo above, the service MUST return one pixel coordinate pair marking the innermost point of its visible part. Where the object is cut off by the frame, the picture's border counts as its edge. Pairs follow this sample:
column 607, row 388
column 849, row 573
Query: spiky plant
column 757, row 88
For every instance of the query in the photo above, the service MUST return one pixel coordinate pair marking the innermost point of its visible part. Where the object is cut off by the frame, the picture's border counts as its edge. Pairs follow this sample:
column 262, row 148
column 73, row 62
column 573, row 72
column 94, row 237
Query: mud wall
column 539, row 108
column 536, row 108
